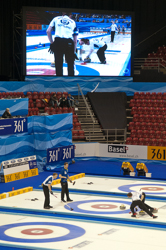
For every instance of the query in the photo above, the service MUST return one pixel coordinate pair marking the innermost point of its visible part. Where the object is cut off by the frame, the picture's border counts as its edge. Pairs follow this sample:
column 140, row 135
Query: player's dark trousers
column 63, row 46
column 101, row 53
column 141, row 205
column 64, row 190
column 112, row 35
column 143, row 200
column 47, row 196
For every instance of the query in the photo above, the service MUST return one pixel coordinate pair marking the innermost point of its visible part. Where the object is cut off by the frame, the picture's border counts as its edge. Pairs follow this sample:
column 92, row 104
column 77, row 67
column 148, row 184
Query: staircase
column 89, row 124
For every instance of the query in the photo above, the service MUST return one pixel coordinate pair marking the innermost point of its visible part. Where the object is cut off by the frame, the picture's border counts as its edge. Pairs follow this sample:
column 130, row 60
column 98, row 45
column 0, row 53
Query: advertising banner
column 86, row 149
column 110, row 151
column 58, row 154
column 21, row 175
column 13, row 126
column 123, row 151
column 156, row 153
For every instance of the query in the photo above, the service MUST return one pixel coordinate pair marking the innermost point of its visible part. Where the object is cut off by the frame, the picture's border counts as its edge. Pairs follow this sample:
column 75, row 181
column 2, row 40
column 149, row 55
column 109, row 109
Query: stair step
column 90, row 122
column 91, row 131
column 95, row 134
column 83, row 112
column 84, row 109
column 87, row 118
column 90, row 126
column 96, row 130
column 82, row 116
column 95, row 137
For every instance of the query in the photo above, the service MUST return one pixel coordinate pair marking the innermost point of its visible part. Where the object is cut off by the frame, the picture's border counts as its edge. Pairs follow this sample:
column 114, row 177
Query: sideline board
column 121, row 151
column 110, row 150
column 156, row 153
column 20, row 168
column 20, row 175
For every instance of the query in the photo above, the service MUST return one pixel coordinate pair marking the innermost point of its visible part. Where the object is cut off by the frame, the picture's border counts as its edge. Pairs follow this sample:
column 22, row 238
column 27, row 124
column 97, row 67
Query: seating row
column 59, row 110
column 78, row 134
column 33, row 111
column 11, row 95
column 152, row 63
column 148, row 118
column 148, row 110
column 148, row 134
column 146, row 141
column 47, row 95
column 162, row 48
column 148, row 95
column 147, row 103
column 147, row 125
column 161, row 52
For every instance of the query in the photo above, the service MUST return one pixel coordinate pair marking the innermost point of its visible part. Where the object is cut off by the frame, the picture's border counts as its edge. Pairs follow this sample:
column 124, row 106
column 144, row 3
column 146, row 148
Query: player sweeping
column 95, row 43
column 64, row 177
column 138, row 199
column 47, row 189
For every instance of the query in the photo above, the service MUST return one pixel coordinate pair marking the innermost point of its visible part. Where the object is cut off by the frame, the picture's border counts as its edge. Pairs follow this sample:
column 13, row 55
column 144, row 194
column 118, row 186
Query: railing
column 149, row 63
column 110, row 135
column 86, row 104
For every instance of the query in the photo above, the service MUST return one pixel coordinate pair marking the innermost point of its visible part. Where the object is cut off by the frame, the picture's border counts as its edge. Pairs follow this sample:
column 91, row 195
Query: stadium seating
column 153, row 59
column 75, row 135
column 81, row 135
column 129, row 141
column 148, row 123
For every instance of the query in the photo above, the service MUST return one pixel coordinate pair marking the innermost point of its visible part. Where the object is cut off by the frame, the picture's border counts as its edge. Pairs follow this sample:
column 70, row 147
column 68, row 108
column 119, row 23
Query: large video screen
column 62, row 42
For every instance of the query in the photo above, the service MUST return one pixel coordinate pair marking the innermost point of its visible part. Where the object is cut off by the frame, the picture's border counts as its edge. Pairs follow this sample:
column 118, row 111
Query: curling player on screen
column 94, row 43
column 65, row 42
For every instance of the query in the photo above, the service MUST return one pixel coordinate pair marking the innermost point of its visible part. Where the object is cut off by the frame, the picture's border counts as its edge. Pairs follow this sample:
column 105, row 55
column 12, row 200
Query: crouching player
column 138, row 199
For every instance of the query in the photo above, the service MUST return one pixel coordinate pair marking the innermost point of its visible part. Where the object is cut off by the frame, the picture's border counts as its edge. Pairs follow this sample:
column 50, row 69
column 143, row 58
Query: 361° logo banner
column 60, row 154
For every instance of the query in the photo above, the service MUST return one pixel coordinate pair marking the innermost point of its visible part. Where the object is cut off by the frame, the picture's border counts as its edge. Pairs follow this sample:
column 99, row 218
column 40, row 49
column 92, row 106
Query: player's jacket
column 48, row 180
column 65, row 27
column 96, row 43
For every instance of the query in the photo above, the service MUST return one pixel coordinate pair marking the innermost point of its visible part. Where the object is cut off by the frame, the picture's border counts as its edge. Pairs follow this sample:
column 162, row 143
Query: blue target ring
column 74, row 232
column 128, row 188
column 82, row 70
column 87, row 71
column 75, row 205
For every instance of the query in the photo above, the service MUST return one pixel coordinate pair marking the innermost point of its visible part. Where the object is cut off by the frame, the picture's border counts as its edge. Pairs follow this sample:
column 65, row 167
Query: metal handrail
column 152, row 62
column 86, row 104
column 107, row 135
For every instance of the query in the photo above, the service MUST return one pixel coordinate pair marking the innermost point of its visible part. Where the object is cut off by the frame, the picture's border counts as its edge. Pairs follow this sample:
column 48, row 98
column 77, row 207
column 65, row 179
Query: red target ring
column 36, row 231
column 104, row 206
column 41, row 71
column 152, row 189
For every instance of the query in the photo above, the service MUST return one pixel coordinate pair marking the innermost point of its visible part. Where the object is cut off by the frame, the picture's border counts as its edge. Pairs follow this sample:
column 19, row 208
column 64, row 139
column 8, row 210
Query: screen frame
column 95, row 11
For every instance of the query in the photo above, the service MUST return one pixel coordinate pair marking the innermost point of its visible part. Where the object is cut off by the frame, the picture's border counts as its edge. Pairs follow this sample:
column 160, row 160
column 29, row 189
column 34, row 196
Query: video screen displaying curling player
column 102, row 42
